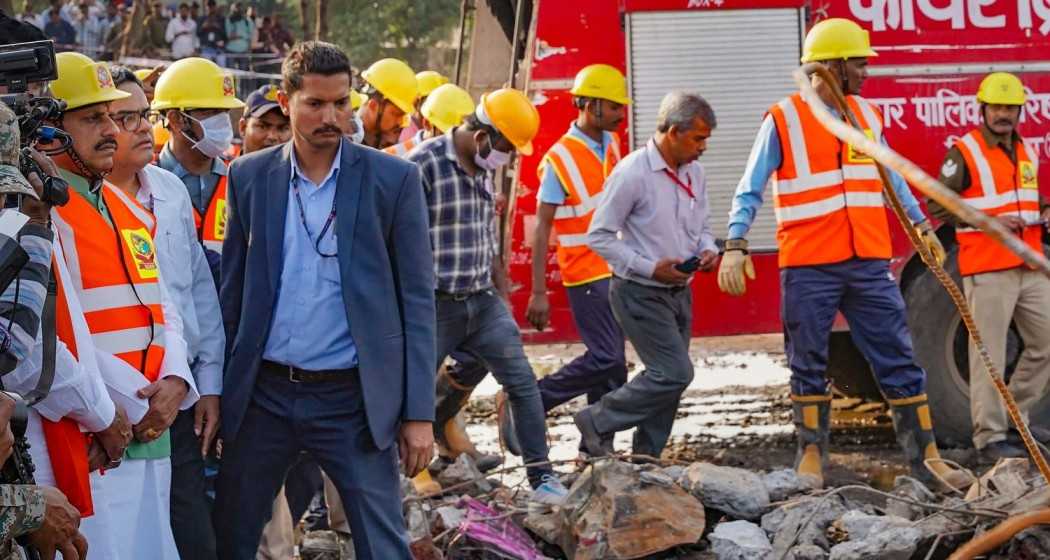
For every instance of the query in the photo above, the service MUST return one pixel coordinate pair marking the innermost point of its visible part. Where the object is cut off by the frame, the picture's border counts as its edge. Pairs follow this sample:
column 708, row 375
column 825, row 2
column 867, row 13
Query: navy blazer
column 385, row 266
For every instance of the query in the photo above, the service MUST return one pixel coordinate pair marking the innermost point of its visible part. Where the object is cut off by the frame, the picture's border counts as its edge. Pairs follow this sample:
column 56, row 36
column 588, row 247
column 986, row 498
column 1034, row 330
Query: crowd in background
column 236, row 35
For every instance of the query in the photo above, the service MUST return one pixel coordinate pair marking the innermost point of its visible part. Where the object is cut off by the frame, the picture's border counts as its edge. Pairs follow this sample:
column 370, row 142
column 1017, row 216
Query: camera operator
column 44, row 514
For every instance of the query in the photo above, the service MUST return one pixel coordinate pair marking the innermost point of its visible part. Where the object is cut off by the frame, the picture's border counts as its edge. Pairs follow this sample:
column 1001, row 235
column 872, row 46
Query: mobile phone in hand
column 689, row 266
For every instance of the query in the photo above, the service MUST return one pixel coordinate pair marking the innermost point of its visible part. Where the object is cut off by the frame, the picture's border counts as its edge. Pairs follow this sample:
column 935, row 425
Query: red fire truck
column 740, row 55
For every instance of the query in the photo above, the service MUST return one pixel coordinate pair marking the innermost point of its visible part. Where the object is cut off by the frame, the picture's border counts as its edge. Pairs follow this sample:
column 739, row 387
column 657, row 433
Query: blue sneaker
column 551, row 492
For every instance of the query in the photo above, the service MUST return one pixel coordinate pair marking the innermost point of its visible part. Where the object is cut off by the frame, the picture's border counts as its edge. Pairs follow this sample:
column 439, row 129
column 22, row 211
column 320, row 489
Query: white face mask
column 493, row 161
column 218, row 134
column 359, row 130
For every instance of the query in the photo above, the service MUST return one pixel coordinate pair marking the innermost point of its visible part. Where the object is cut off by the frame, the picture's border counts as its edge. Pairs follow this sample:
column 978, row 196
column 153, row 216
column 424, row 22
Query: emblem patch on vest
column 141, row 247
column 1028, row 178
column 854, row 155
column 220, row 220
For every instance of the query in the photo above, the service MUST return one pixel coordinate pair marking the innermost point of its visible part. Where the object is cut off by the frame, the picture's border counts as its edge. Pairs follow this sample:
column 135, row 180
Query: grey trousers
column 657, row 322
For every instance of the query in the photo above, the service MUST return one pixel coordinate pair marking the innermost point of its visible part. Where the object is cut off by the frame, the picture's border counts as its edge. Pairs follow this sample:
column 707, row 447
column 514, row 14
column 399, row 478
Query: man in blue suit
column 328, row 302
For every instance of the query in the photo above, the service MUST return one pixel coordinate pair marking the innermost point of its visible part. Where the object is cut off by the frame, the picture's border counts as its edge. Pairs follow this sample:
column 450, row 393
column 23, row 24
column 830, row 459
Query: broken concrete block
column 907, row 487
column 610, row 514
column 676, row 472
column 784, row 483
column 808, row 517
column 807, row 552
column 859, row 525
column 325, row 545
column 740, row 540
column 464, row 471
column 897, row 543
column 736, row 492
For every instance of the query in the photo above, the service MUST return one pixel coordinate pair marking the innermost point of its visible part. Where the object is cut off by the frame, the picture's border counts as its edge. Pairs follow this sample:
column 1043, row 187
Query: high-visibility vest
column 66, row 445
column 115, row 274
column 827, row 196
column 998, row 187
column 402, row 149
column 211, row 228
column 582, row 175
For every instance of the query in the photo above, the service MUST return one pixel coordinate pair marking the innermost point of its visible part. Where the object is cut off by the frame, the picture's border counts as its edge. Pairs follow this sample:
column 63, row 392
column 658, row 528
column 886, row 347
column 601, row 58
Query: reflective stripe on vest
column 582, row 175
column 66, row 444
column 402, row 149
column 211, row 231
column 998, row 187
column 114, row 271
column 827, row 197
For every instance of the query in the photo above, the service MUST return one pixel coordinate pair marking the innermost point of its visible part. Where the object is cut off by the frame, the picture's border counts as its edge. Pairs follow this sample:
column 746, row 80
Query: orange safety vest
column 402, row 149
column 211, row 230
column 827, row 196
column 116, row 276
column 582, row 176
column 998, row 187
column 66, row 445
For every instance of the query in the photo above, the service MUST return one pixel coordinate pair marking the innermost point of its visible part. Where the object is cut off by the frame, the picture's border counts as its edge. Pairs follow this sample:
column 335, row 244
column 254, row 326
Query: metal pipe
column 514, row 43
column 1000, row 534
column 462, row 32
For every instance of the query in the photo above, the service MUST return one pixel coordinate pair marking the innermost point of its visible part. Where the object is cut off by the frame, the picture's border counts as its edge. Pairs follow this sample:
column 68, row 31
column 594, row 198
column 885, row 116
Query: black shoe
column 991, row 453
column 508, row 433
column 592, row 443
column 486, row 462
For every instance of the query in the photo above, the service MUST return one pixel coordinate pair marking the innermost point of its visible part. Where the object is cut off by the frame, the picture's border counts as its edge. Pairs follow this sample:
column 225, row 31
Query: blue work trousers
column 867, row 295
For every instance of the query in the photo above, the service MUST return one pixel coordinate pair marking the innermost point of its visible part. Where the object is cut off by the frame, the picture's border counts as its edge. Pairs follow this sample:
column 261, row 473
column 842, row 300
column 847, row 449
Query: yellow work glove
column 736, row 263
column 932, row 243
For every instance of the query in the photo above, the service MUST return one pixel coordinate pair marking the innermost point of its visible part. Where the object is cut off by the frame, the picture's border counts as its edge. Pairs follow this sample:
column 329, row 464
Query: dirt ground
column 736, row 413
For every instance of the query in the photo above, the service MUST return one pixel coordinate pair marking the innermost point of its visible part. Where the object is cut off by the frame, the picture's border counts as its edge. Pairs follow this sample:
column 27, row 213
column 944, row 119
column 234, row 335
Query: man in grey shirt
column 650, row 225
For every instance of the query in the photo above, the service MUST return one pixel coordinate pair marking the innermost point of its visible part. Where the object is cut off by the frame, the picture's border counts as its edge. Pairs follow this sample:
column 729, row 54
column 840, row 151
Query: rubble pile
column 617, row 510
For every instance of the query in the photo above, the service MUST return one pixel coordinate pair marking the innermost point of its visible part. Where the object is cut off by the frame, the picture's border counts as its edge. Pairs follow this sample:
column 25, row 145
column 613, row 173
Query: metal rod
column 514, row 40
column 462, row 33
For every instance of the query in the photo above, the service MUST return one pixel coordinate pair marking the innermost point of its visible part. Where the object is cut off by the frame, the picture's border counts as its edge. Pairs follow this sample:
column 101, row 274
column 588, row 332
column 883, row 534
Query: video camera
column 22, row 64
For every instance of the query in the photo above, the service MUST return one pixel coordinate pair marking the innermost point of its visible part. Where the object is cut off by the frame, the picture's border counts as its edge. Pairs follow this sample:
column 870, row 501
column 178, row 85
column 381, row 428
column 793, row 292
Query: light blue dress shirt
column 551, row 190
column 310, row 327
column 200, row 187
column 765, row 158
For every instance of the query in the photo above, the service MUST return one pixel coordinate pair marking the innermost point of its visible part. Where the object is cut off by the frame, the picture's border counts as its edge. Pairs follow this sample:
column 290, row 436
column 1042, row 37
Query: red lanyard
column 687, row 188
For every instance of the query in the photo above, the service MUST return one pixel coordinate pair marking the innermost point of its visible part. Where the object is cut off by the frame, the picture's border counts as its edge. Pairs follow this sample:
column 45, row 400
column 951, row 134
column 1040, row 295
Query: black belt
column 462, row 296
column 299, row 375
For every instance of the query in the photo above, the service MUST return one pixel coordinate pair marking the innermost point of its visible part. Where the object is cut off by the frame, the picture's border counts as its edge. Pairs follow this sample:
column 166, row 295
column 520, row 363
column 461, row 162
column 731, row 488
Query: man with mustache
column 390, row 90
column 652, row 216
column 263, row 124
column 996, row 172
column 573, row 174
column 108, row 245
column 195, row 96
column 188, row 280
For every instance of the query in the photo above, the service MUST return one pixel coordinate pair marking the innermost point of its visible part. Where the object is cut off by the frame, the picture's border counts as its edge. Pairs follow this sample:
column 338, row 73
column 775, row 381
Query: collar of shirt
column 333, row 171
column 596, row 147
column 147, row 194
column 168, row 161
column 656, row 159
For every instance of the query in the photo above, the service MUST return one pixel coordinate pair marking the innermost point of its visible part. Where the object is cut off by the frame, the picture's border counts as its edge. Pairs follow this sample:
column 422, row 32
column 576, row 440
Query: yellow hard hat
column 356, row 100
column 143, row 73
column 160, row 134
column 428, row 81
column 1001, row 88
column 394, row 80
column 601, row 81
column 447, row 106
column 195, row 83
column 836, row 38
column 82, row 81
column 513, row 115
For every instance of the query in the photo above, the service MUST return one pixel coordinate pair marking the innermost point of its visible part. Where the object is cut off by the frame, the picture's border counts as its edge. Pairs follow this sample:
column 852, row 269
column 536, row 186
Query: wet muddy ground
column 736, row 413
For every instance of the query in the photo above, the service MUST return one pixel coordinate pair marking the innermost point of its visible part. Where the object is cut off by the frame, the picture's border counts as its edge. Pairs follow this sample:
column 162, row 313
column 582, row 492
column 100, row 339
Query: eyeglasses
column 130, row 120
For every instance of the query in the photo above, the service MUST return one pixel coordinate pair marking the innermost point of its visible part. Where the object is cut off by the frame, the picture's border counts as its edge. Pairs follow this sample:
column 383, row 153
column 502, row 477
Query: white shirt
column 183, row 45
column 185, row 273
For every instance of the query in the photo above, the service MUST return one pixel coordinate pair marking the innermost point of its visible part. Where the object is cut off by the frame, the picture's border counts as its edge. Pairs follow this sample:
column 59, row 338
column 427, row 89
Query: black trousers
column 190, row 513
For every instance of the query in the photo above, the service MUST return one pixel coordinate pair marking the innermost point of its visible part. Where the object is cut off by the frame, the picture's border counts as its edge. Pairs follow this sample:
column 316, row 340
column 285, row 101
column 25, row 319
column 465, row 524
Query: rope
column 884, row 156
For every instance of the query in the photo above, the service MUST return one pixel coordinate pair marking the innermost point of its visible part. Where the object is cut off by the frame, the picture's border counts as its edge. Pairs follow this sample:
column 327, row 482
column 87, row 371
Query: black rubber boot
column 914, row 427
column 813, row 428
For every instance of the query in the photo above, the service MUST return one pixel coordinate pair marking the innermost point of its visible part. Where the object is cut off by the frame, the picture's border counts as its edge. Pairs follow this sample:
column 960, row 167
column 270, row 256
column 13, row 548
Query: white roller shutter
column 741, row 62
